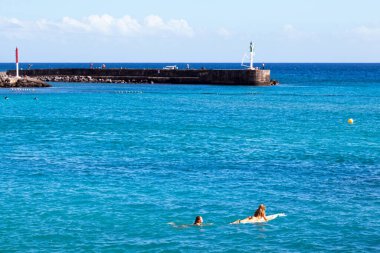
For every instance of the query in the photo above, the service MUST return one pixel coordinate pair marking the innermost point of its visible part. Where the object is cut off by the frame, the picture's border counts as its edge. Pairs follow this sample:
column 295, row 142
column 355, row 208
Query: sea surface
column 110, row 168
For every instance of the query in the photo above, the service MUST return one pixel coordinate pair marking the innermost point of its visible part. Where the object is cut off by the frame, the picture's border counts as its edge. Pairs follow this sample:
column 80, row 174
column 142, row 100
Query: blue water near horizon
column 106, row 167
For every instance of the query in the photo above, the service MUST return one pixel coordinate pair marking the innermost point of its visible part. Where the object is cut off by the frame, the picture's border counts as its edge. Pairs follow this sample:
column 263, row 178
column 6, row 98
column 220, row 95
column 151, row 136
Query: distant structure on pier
column 170, row 74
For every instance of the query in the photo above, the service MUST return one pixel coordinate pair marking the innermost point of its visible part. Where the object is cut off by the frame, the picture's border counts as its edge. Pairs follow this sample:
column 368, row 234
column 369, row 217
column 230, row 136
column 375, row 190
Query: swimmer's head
column 198, row 220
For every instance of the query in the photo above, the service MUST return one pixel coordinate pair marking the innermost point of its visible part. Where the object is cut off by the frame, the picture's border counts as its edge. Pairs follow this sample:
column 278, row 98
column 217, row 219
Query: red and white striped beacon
column 17, row 63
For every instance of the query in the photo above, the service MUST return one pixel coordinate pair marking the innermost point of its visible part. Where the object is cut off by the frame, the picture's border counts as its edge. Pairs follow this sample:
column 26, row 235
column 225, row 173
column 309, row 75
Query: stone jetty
column 171, row 76
column 7, row 81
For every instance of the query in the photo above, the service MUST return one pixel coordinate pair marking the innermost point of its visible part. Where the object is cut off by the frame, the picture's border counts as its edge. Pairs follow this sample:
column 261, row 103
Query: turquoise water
column 105, row 168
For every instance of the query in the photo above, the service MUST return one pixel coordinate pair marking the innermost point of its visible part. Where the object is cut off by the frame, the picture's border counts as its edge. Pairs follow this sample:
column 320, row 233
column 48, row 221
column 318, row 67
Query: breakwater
column 7, row 81
column 175, row 76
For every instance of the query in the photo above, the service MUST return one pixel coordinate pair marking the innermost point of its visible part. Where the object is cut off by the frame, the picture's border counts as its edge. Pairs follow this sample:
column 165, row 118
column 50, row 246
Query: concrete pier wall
column 227, row 77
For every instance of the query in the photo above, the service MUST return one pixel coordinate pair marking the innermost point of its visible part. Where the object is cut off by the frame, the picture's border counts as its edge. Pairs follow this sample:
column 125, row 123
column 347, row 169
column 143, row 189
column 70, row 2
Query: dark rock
column 29, row 82
column 6, row 82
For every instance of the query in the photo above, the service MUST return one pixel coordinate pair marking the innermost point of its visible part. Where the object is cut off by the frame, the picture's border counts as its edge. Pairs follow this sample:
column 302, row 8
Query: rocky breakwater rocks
column 21, row 82
column 92, row 79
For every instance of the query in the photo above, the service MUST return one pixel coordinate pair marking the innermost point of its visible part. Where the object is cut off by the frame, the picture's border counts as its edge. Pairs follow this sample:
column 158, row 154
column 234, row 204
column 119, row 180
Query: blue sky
column 190, row 31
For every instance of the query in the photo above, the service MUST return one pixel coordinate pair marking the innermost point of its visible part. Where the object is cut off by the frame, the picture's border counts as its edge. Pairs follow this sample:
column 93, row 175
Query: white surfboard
column 255, row 220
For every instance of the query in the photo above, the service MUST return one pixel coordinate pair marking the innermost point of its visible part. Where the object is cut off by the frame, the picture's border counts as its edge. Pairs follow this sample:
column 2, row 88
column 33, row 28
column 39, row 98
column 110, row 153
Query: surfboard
column 255, row 220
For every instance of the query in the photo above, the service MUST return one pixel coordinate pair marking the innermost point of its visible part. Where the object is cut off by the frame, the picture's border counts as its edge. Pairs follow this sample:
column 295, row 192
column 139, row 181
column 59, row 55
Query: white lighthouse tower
column 251, row 54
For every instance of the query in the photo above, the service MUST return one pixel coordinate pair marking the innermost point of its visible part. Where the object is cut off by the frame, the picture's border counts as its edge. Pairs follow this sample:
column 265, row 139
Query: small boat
column 171, row 67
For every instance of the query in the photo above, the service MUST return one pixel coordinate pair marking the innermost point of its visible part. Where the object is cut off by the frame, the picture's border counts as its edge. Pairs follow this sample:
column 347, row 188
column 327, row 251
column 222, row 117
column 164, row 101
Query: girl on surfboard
column 260, row 213
column 258, row 216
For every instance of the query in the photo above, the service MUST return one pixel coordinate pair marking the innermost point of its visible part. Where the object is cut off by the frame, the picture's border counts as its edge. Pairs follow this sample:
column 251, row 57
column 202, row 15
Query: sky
column 190, row 31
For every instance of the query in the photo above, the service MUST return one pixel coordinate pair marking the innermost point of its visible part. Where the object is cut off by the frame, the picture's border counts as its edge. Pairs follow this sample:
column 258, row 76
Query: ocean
column 110, row 167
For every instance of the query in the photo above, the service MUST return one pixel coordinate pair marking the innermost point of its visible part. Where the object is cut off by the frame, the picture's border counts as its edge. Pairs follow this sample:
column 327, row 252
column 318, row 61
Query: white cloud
column 71, row 24
column 43, row 24
column 155, row 23
column 128, row 25
column 180, row 27
column 11, row 23
column 367, row 33
column 103, row 24
column 99, row 24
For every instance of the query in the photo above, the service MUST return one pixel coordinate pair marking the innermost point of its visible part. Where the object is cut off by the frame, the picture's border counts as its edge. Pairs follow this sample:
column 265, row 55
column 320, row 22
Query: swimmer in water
column 6, row 98
column 198, row 221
